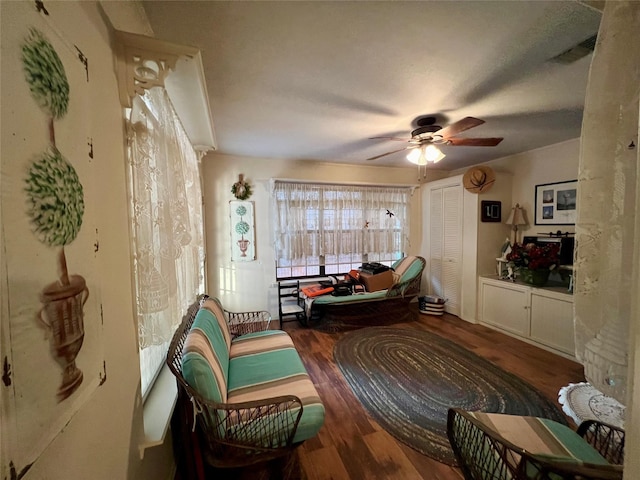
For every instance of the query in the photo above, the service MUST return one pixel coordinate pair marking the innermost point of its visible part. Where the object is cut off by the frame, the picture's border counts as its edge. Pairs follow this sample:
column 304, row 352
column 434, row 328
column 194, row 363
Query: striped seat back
column 215, row 307
column 407, row 268
column 205, row 357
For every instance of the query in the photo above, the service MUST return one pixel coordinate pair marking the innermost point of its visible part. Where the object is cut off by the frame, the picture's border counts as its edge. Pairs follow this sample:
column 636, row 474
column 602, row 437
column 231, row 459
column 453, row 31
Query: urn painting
column 52, row 338
column 55, row 207
column 242, row 231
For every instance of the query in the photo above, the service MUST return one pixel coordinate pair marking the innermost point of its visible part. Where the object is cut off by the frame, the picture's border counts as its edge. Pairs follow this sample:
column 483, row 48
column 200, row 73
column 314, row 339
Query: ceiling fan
column 429, row 135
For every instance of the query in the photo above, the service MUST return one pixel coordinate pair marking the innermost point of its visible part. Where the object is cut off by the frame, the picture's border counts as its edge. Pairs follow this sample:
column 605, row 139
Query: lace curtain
column 317, row 219
column 608, row 205
column 166, row 222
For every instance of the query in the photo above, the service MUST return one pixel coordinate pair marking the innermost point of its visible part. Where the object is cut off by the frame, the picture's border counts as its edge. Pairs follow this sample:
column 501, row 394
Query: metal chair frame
column 484, row 454
column 233, row 434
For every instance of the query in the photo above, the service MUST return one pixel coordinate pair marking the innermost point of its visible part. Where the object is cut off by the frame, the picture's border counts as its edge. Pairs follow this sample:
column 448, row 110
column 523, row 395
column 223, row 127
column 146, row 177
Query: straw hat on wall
column 479, row 179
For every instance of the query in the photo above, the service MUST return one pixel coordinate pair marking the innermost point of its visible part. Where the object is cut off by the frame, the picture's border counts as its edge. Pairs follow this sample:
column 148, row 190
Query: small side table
column 582, row 401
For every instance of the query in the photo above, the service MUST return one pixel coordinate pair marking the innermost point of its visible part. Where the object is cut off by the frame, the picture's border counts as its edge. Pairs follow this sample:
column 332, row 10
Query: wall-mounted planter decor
column 243, row 243
column 52, row 350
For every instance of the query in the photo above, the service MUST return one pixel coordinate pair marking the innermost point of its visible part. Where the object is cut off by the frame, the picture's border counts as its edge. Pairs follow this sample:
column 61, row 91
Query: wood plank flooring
column 351, row 445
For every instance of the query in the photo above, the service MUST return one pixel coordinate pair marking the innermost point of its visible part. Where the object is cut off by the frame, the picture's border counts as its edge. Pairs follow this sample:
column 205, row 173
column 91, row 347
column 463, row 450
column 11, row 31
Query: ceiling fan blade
column 393, row 151
column 474, row 142
column 390, row 138
column 460, row 126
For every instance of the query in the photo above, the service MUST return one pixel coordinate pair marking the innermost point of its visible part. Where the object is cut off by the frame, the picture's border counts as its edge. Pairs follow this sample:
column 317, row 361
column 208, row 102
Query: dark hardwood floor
column 351, row 445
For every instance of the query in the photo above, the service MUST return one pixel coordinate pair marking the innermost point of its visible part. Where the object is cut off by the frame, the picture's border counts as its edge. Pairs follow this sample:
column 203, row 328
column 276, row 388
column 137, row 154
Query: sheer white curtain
column 313, row 219
column 166, row 223
column 608, row 223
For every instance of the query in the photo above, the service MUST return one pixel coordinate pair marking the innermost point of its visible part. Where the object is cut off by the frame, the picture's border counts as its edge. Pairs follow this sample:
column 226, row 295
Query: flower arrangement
column 534, row 262
column 534, row 257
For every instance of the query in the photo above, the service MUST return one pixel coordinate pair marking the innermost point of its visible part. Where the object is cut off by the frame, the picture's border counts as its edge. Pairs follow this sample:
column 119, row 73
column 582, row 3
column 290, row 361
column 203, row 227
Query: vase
column 243, row 244
column 537, row 278
column 63, row 314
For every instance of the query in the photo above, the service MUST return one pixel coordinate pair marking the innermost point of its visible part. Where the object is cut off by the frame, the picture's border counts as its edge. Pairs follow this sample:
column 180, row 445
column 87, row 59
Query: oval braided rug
column 407, row 380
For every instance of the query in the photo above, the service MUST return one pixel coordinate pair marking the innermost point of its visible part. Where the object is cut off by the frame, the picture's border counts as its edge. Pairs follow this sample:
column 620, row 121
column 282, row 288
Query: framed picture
column 242, row 231
column 556, row 203
column 490, row 211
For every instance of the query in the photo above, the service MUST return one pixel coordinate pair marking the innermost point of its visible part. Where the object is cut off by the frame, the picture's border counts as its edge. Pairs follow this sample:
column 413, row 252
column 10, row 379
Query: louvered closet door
column 445, row 243
column 435, row 242
column 452, row 247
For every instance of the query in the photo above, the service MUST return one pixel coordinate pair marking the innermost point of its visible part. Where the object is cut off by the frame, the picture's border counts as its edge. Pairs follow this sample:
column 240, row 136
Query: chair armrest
column 261, row 425
column 241, row 323
column 607, row 439
column 406, row 288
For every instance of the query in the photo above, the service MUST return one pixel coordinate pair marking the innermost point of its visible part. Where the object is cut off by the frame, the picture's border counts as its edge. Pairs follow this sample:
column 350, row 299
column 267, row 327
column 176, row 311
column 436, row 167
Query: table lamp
column 516, row 218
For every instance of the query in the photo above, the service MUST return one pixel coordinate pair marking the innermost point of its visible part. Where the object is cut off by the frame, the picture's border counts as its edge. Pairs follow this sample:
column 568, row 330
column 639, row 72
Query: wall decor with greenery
column 52, row 330
column 242, row 231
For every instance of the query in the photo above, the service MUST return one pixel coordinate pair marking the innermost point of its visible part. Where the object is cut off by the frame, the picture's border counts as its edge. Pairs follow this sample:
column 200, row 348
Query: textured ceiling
column 314, row 80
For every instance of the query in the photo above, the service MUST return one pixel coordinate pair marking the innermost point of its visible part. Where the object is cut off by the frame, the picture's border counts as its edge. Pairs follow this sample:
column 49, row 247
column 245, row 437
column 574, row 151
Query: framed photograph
column 490, row 211
column 556, row 203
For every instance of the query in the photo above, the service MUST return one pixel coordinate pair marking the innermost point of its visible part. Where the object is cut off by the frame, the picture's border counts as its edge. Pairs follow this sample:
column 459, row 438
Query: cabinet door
column 506, row 307
column 552, row 322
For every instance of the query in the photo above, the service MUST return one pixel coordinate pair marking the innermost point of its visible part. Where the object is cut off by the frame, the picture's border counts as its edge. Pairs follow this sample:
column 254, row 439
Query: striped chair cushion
column 407, row 268
column 215, row 307
column 205, row 356
column 266, row 364
column 541, row 437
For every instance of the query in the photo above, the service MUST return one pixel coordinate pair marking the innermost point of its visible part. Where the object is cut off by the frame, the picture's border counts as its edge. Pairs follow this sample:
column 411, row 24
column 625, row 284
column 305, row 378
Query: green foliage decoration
column 45, row 74
column 56, row 199
column 241, row 190
column 242, row 228
column 241, row 211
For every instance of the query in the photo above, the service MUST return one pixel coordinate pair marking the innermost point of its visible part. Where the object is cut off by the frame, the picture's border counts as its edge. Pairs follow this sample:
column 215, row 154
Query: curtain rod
column 346, row 184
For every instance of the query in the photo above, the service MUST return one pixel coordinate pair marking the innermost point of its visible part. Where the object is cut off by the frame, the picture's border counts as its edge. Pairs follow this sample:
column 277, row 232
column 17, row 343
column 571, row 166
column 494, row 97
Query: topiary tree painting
column 242, row 228
column 46, row 77
column 55, row 207
column 56, row 203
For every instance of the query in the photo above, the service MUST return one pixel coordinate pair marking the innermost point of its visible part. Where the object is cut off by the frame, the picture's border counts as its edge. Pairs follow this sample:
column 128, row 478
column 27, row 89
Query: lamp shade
column 425, row 154
column 516, row 217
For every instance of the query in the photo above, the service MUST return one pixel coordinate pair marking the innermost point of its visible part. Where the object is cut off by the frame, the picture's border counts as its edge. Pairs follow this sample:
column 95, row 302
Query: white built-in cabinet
column 542, row 316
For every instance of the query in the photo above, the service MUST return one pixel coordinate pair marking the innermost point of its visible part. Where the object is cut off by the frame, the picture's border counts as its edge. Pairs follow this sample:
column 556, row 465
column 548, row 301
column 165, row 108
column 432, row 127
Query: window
column 166, row 225
column 324, row 229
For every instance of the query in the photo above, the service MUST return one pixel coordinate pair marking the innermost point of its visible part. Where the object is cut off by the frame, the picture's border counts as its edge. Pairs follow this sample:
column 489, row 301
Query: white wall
column 250, row 285
column 491, row 236
column 551, row 164
column 101, row 441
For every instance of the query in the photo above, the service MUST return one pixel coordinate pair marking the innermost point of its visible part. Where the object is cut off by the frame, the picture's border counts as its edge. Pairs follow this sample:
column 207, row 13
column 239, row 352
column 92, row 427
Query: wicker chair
column 484, row 454
column 228, row 434
column 376, row 308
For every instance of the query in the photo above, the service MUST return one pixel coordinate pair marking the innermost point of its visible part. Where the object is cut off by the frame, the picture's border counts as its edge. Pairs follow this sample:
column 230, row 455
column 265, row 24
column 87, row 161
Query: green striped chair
column 375, row 307
column 251, row 394
column 491, row 446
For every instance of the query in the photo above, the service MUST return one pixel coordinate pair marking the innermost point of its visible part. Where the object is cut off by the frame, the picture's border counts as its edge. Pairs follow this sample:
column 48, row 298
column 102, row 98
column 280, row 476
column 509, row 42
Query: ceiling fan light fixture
column 415, row 156
column 425, row 154
column 433, row 154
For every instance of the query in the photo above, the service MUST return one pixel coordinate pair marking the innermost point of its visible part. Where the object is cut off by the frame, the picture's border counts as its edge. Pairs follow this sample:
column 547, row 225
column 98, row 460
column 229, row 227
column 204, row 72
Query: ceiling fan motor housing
column 426, row 133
